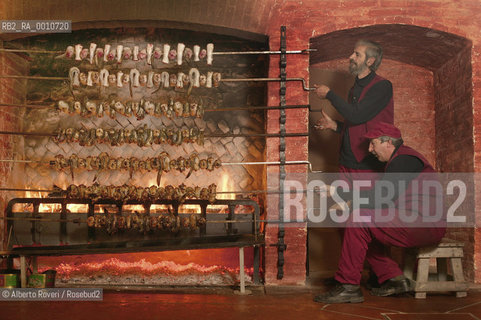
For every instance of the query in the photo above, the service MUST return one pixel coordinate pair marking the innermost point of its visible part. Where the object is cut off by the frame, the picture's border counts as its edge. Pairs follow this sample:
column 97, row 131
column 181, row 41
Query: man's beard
column 355, row 69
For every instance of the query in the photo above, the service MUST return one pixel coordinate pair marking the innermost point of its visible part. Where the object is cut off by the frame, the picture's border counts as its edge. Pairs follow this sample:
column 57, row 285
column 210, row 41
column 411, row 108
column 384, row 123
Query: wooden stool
column 444, row 251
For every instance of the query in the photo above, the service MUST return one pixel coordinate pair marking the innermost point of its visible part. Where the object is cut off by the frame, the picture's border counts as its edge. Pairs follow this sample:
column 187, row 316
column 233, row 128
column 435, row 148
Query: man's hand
column 325, row 122
column 345, row 206
column 325, row 190
column 321, row 90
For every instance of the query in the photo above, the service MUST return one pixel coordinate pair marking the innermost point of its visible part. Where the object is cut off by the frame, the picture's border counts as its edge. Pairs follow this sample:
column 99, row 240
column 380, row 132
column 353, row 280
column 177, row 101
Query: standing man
column 415, row 218
column 370, row 101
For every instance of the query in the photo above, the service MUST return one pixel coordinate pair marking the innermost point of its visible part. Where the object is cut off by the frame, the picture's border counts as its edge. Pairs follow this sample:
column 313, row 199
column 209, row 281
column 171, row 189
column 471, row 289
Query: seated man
column 412, row 219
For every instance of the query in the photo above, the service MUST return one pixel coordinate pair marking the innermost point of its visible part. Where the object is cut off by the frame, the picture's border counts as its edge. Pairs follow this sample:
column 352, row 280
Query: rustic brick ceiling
column 413, row 45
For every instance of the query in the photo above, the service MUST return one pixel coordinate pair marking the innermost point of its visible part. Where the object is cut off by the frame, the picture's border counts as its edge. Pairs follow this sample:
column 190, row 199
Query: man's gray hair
column 373, row 50
column 396, row 142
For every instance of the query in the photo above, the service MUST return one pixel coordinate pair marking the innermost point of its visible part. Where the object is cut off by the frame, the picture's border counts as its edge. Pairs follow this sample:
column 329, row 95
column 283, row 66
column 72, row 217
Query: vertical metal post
column 35, row 214
column 230, row 217
column 256, row 277
column 91, row 230
column 282, row 153
column 203, row 228
column 23, row 272
column 63, row 224
column 34, row 265
column 241, row 271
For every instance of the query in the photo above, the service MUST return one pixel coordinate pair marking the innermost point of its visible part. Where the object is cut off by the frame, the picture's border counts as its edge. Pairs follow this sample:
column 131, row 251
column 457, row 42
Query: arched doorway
column 432, row 81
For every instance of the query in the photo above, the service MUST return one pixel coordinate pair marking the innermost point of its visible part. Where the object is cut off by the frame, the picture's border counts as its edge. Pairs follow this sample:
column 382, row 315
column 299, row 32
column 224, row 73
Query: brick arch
column 423, row 47
column 448, row 58
column 151, row 26
column 244, row 17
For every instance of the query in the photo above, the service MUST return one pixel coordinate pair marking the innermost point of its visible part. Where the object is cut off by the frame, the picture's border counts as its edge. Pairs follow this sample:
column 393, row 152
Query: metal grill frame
column 201, row 240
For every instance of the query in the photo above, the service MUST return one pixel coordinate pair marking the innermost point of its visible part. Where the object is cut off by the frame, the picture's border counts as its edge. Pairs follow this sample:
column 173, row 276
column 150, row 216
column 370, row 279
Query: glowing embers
column 115, row 271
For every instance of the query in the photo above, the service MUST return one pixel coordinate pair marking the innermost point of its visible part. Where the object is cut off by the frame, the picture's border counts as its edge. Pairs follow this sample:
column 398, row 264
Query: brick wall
column 311, row 20
column 296, row 150
column 11, row 91
column 454, row 122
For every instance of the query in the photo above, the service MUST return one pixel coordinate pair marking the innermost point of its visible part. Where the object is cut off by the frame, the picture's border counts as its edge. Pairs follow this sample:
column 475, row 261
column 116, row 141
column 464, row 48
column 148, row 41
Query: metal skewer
column 39, row 106
column 222, row 163
column 24, row 161
column 29, row 190
column 304, row 86
column 37, row 134
column 295, row 106
column 213, row 53
column 78, row 220
column 217, row 192
column 212, row 135
column 267, row 135
column 262, row 52
column 221, row 80
column 33, row 77
column 30, row 51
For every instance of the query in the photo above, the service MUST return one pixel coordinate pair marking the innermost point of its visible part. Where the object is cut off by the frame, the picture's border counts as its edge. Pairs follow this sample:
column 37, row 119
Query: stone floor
column 262, row 303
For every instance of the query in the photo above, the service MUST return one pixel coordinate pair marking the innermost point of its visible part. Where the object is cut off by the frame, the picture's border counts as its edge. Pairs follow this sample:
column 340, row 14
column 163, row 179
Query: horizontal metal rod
column 29, row 51
column 212, row 135
column 78, row 220
column 34, row 77
column 264, row 162
column 271, row 80
column 213, row 53
column 278, row 163
column 37, row 134
column 270, row 163
column 39, row 106
column 29, row 190
column 268, row 135
column 300, row 106
column 222, row 80
column 223, row 163
column 263, row 191
column 24, row 161
column 263, row 52
column 217, row 192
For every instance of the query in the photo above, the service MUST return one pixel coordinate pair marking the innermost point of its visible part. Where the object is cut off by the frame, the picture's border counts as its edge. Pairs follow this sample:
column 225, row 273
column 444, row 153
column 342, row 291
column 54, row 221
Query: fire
column 189, row 208
column 52, row 207
column 77, row 208
column 226, row 184
column 160, row 208
column 133, row 208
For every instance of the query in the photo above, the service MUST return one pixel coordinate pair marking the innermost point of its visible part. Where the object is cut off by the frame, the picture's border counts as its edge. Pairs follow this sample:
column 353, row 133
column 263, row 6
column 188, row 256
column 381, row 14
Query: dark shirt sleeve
column 373, row 102
column 398, row 174
column 405, row 164
column 339, row 126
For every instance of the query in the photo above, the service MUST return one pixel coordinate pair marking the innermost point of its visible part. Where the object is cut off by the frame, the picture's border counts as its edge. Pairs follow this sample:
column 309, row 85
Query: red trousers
column 371, row 241
column 349, row 175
